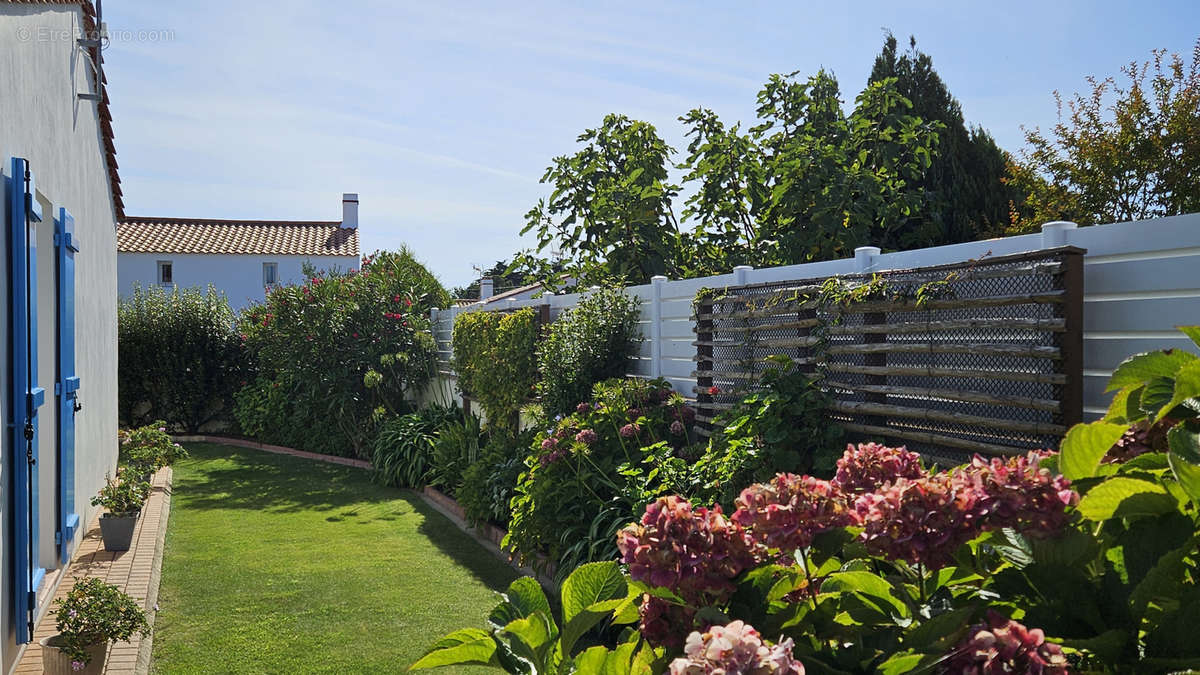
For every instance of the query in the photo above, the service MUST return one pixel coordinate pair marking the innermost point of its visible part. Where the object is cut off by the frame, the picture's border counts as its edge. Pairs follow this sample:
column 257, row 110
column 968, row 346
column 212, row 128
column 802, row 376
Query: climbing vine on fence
column 495, row 363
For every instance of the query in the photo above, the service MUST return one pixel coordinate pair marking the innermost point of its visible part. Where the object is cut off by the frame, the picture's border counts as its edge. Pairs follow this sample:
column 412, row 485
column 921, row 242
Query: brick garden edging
column 487, row 535
column 277, row 449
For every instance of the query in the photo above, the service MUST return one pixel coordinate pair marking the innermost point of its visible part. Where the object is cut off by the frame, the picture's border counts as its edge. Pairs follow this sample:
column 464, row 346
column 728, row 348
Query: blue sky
column 443, row 116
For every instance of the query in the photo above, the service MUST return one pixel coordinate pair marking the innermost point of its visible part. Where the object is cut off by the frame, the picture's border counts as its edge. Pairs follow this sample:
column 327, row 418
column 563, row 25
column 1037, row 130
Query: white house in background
column 240, row 258
column 58, row 274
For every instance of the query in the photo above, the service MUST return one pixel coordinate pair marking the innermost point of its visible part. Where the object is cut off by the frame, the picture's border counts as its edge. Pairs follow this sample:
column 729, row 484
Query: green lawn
column 276, row 564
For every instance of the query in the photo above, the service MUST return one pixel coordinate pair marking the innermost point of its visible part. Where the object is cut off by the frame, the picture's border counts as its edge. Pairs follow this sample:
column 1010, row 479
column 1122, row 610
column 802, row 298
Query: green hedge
column 180, row 359
column 494, row 361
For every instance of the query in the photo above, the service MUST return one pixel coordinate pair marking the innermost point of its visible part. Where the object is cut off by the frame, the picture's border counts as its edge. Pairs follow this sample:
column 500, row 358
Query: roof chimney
column 350, row 210
column 486, row 289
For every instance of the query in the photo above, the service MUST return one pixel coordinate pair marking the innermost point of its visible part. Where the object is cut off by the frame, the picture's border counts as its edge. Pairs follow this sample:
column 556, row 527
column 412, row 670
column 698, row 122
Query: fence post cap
column 1055, row 225
column 867, row 250
column 658, row 279
column 743, row 267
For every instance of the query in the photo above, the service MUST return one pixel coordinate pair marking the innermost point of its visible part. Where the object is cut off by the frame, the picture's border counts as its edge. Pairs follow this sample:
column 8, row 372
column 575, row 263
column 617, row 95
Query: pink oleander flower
column 732, row 649
column 868, row 466
column 1001, row 646
column 786, row 513
column 629, row 431
column 583, row 408
column 694, row 552
column 677, row 428
column 587, row 437
column 713, row 391
column 1015, row 492
column 920, row 520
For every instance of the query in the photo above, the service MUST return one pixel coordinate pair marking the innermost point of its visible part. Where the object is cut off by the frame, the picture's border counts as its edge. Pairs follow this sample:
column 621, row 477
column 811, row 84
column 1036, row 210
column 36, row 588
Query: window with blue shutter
column 66, row 386
column 25, row 396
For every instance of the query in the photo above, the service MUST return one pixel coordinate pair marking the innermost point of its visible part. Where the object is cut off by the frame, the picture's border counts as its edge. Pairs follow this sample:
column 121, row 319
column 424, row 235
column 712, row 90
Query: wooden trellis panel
column 991, row 363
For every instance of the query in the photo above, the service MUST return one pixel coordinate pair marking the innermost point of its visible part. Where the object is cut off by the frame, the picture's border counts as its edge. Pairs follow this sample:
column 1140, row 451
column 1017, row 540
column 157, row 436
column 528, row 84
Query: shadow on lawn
column 256, row 480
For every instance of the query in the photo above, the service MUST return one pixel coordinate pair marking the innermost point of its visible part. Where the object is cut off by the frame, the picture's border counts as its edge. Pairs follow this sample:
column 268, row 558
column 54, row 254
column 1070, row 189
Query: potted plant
column 147, row 449
column 91, row 615
column 123, row 502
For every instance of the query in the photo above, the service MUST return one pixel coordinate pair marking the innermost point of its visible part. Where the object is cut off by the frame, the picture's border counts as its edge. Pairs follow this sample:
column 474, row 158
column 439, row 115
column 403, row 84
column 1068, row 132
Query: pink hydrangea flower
column 694, row 552
column 917, row 520
column 587, row 437
column 1000, row 645
column 1015, row 492
column 868, row 466
column 735, row 648
column 629, row 431
column 786, row 513
column 549, row 444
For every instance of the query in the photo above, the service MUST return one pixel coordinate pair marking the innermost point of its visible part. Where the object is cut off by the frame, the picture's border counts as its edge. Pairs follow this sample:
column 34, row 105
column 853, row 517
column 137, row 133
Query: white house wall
column 42, row 120
column 240, row 277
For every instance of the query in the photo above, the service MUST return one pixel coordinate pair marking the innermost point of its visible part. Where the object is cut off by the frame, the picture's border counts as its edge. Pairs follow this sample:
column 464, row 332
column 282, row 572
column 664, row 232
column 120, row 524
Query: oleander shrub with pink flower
column 338, row 354
column 595, row 468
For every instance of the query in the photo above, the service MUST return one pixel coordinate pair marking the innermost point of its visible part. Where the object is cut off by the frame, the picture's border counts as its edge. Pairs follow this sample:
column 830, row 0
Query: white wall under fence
column 1141, row 280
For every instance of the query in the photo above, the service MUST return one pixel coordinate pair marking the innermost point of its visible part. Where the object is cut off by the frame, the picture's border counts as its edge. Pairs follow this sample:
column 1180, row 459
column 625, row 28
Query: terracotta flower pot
column 117, row 531
column 56, row 662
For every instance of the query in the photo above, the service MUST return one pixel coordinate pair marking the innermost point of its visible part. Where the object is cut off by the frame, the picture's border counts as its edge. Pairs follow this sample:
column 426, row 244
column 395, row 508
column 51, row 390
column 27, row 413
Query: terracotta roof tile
column 137, row 234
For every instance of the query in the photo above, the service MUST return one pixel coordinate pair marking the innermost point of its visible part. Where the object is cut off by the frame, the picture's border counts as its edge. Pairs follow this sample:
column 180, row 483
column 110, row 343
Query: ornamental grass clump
column 92, row 613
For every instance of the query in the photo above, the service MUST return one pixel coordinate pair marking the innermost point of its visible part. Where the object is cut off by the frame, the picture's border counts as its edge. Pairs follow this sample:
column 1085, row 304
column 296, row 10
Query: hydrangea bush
column 1084, row 560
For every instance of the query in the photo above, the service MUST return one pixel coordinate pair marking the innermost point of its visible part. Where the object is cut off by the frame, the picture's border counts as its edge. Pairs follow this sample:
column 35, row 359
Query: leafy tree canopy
column 1123, row 151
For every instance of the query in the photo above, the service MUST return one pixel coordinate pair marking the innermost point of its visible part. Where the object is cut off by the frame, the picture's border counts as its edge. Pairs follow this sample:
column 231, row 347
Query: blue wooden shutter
column 66, row 387
column 25, row 397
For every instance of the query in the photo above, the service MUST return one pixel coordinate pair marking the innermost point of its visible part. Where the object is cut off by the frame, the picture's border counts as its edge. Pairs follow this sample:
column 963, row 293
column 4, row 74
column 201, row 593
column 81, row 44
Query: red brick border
column 277, row 449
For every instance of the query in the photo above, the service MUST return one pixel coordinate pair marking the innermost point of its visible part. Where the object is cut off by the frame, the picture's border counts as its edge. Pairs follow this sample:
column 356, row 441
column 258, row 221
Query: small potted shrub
column 91, row 615
column 147, row 449
column 123, row 502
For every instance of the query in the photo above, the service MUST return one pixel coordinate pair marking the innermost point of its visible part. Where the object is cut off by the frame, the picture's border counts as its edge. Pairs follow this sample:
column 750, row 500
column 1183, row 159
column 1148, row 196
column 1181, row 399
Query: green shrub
column 404, row 447
column 340, row 353
column 587, row 344
column 783, row 427
column 180, row 357
column 595, row 468
column 455, row 447
column 148, row 449
column 494, row 361
column 488, row 484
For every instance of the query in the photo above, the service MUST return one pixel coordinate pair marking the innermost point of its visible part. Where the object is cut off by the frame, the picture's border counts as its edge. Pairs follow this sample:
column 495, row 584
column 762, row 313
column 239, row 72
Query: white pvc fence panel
column 1141, row 279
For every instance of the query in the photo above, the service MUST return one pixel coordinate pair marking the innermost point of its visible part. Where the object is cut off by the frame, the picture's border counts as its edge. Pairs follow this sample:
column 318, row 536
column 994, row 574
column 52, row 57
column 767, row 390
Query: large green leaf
column 1084, row 447
column 1124, row 497
column 1142, row 368
column 523, row 598
column 470, row 645
column 867, row 584
column 1156, row 396
column 1192, row 332
column 1164, row 581
column 533, row 638
column 1187, row 386
column 1184, row 458
column 589, row 584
